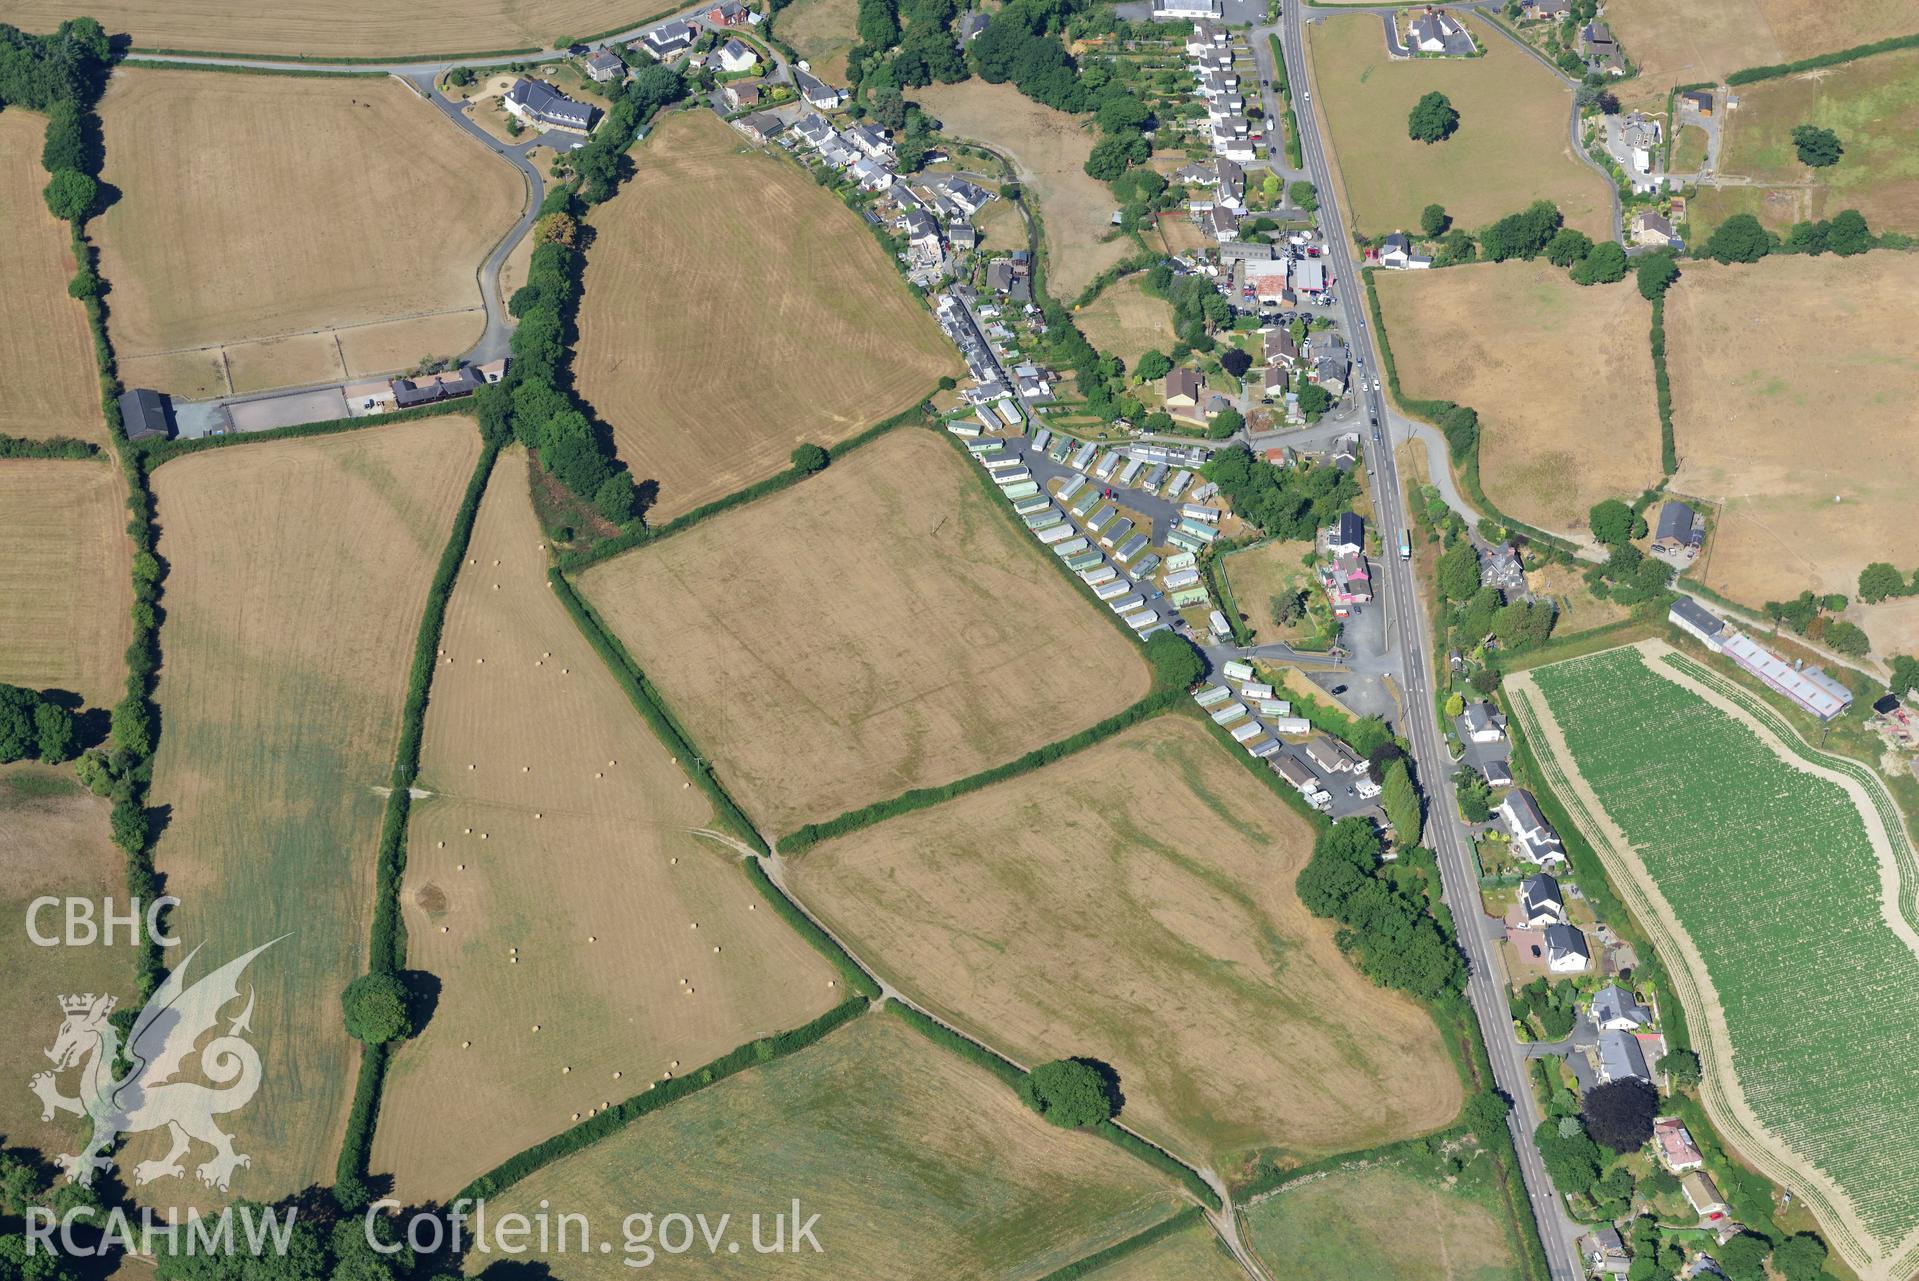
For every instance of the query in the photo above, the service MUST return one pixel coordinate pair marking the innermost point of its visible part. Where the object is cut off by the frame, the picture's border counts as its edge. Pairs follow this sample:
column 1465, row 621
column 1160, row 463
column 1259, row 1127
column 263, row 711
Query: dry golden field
column 298, row 573
column 46, row 364
column 920, row 1166
column 781, row 320
column 1561, row 376
column 1759, row 355
column 557, row 825
column 1352, row 1224
column 1048, row 149
column 1192, row 1254
column 1134, row 902
column 258, row 208
column 1260, row 575
column 1510, row 150
column 53, row 842
column 879, row 627
column 822, row 32
column 65, row 577
column 1705, row 40
column 356, row 28
column 1126, row 321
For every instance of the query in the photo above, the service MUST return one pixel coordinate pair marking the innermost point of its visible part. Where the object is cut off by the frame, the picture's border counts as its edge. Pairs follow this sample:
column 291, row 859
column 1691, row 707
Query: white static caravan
column 1041, row 437
column 1125, row 477
column 1084, row 558
column 1084, row 456
column 1071, row 488
column 979, row 447
column 1104, row 467
column 1181, row 479
column 1247, row 732
column 963, row 429
column 1115, row 533
column 1184, row 541
column 1204, row 533
column 1098, row 519
column 1126, row 604
column 1085, row 503
column 1130, row 548
column 1072, row 547
column 1238, row 671
column 1045, row 520
column 1094, row 577
column 1025, row 489
column 1275, row 707
column 1181, row 560
column 1213, row 696
column 1056, row 534
column 1264, row 748
column 1180, row 578
column 1193, row 511
column 1229, row 713
column 1151, row 482
column 1142, row 620
column 1221, row 629
column 1005, row 478
column 1291, row 725
column 998, row 465
column 1255, row 689
column 1009, row 412
column 1146, row 566
column 986, row 418
column 1118, row 587
column 1032, row 506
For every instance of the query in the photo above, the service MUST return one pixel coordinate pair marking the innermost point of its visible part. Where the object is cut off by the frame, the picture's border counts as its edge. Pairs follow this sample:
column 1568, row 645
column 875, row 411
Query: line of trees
column 1743, row 238
column 1285, row 502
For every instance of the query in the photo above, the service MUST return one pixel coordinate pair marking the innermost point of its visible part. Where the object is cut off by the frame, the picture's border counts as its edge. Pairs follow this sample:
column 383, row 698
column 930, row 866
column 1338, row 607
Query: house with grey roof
column 1541, row 901
column 1348, row 534
column 816, row 92
column 761, row 126
column 1614, row 1009
column 1396, row 252
column 1436, row 31
column 1566, row 950
column 670, row 38
column 813, row 130
column 544, row 107
column 1482, row 723
column 1621, row 1059
column 1679, row 529
column 603, row 65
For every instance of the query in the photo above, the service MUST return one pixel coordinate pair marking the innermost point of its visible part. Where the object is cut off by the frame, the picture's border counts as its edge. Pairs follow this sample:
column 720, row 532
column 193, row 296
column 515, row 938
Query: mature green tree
column 1485, row 1115
column 1605, row 265
column 1314, row 401
column 1153, row 365
column 1458, row 571
column 1809, row 237
column 1848, row 233
column 1880, row 580
column 70, row 194
column 1433, row 119
column 1474, row 795
column 53, row 733
column 1816, row 146
column 1401, row 800
column 1571, row 1157
column 1071, row 1093
column 1175, row 663
column 1122, row 113
column 1848, row 638
column 376, row 1009
column 1740, row 238
column 1524, row 234
column 1620, row 1114
column 810, row 458
column 1656, row 273
column 1611, row 522
column 1744, row 1257
column 1433, row 221
column 617, row 497
column 1235, row 362
column 1112, row 155
column 1801, row 1257
column 1568, row 246
column 1303, row 194
column 1224, row 423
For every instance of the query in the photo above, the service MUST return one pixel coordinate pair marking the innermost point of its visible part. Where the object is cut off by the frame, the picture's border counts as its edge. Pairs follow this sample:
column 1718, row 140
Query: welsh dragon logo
column 146, row 1097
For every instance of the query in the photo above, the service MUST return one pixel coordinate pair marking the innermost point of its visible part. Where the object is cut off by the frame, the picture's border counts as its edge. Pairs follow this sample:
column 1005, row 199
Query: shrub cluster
column 1285, row 502
column 51, row 447
column 34, row 726
column 1395, row 942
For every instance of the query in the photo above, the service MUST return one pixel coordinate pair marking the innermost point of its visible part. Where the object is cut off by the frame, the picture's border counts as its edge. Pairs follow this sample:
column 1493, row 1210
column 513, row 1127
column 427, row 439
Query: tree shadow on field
column 422, row 997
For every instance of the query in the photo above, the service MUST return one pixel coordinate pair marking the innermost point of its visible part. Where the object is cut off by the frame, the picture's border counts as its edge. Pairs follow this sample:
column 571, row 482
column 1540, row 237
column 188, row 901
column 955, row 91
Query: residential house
column 1230, row 141
column 1347, row 579
column 1596, row 41
column 1605, row 1252
column 1280, row 349
column 1220, row 223
column 425, row 389
column 1481, row 723
column 1545, row 10
column 1497, row 774
column 1541, row 901
column 544, row 107
column 1621, row 1059
column 1689, row 616
column 734, row 57
column 813, row 130
column 1197, row 175
column 739, row 94
column 1650, row 227
column 968, row 197
column 1232, row 184
column 1534, row 839
column 1345, row 455
column 1275, row 382
column 1566, row 951
column 1331, row 372
column 1702, row 1194
column 1182, row 10
column 816, row 93
column 1639, row 134
column 837, row 154
column 1697, row 101
column 1183, row 389
column 604, row 66
column 1207, row 34
column 1436, row 31
column 760, row 126
column 1331, row 756
column 729, row 13
column 1396, row 251
column 868, row 139
column 1680, row 529
column 670, row 39
column 1676, row 1148
column 1614, row 1009
column 1301, row 776
column 1347, row 534
column 871, row 175
column 962, row 235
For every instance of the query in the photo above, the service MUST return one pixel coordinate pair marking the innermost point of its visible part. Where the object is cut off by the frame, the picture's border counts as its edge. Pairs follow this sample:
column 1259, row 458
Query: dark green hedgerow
column 652, row 708
column 661, row 1093
column 856, row 978
column 1191, row 1217
column 51, row 447
column 161, row 451
column 1160, row 1159
column 1662, row 388
column 1773, row 71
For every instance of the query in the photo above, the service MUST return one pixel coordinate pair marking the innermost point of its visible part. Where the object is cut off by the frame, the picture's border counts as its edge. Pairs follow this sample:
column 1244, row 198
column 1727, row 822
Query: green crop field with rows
column 1775, row 876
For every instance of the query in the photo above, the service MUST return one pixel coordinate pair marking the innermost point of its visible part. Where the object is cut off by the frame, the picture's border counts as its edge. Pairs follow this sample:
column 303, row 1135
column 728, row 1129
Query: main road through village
column 1412, row 640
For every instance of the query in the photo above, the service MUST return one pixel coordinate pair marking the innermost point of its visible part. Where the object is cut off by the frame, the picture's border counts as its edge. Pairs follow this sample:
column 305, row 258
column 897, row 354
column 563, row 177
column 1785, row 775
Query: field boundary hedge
column 805, row 837
column 1192, row 1216
column 54, row 447
column 236, row 69
column 641, row 535
column 794, row 915
column 652, row 708
column 164, row 451
column 324, row 59
column 754, row 1053
column 1465, row 470
column 1774, row 70
column 1662, row 389
column 386, row 943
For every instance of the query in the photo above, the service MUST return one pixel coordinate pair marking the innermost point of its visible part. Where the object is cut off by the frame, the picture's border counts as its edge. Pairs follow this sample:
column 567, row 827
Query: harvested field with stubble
column 919, row 1166
column 1511, row 148
column 1780, row 989
column 1126, row 321
column 1757, row 353
column 1555, row 437
column 1706, row 40
column 298, row 572
column 46, row 364
column 1134, row 902
column 1048, row 149
column 65, row 576
column 260, row 208
column 53, row 842
column 879, row 627
column 782, row 322
column 822, row 32
column 558, row 825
